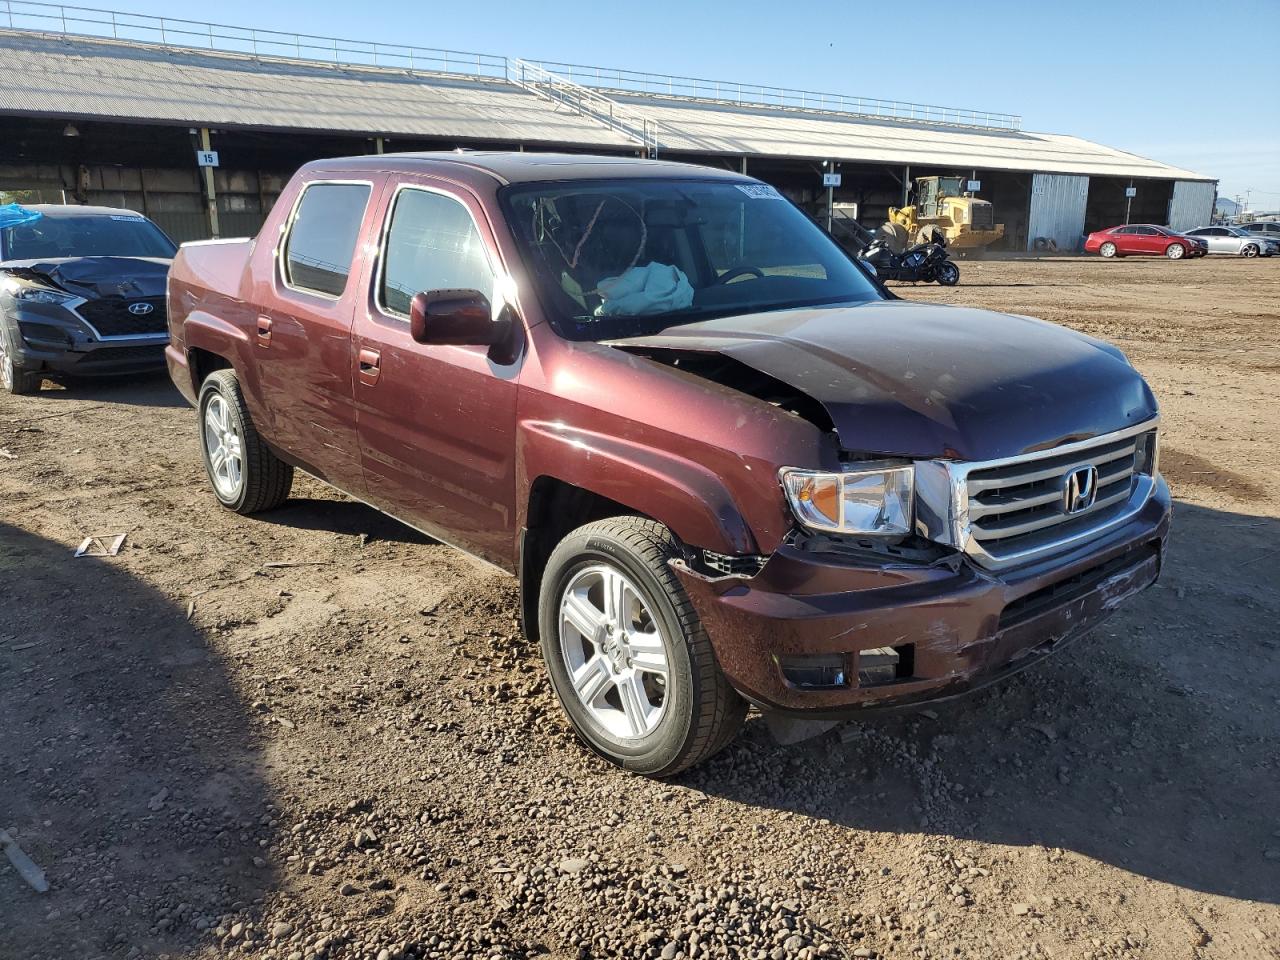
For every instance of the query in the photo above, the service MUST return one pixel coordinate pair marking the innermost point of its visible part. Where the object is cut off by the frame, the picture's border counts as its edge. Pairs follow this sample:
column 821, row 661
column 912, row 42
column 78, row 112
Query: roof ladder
column 585, row 102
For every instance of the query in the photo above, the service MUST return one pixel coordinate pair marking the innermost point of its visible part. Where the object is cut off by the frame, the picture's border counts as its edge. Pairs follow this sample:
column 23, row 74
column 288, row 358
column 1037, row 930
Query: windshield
column 624, row 257
column 118, row 235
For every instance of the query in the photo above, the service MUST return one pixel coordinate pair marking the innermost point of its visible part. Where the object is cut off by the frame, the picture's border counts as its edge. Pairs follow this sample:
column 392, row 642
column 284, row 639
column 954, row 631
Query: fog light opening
column 886, row 664
column 828, row 671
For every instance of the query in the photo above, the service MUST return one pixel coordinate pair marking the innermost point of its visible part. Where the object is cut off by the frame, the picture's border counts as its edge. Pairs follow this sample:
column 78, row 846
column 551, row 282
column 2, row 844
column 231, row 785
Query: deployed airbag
column 653, row 288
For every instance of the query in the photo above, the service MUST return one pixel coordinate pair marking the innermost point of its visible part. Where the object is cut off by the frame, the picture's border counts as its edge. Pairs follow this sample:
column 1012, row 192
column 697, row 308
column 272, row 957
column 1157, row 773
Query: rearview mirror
column 459, row 317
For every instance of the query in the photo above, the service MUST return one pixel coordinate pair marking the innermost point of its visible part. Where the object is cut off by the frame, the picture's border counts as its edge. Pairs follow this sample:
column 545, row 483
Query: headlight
column 34, row 293
column 864, row 501
column 1146, row 456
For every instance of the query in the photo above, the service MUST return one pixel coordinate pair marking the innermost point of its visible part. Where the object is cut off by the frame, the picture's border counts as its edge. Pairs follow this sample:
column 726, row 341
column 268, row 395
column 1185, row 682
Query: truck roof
column 515, row 167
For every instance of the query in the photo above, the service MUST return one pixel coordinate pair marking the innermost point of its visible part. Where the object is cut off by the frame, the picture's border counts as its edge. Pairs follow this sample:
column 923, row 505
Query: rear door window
column 432, row 244
column 319, row 248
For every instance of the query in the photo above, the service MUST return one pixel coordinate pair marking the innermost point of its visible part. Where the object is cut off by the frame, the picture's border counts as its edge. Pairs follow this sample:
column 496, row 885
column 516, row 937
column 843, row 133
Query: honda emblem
column 1081, row 489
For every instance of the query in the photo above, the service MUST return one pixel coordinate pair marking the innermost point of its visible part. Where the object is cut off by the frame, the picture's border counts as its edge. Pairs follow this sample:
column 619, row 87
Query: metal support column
column 906, row 185
column 210, row 191
column 378, row 145
column 743, row 171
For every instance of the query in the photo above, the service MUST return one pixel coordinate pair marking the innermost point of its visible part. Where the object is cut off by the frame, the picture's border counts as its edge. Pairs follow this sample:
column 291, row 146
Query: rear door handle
column 370, row 366
column 264, row 330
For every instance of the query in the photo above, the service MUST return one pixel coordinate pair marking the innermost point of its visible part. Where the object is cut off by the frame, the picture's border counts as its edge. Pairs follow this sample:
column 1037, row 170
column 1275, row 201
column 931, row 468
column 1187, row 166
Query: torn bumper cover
column 826, row 639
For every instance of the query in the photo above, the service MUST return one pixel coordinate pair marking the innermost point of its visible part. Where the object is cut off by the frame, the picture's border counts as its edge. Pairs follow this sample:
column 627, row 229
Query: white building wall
column 1192, row 204
column 1057, row 209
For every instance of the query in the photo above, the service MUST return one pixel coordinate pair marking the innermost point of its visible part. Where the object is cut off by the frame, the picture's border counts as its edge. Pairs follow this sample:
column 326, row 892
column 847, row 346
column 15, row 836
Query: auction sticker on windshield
column 759, row 191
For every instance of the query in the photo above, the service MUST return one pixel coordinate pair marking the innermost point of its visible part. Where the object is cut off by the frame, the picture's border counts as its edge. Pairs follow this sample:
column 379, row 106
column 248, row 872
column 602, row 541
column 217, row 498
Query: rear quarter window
column 322, row 239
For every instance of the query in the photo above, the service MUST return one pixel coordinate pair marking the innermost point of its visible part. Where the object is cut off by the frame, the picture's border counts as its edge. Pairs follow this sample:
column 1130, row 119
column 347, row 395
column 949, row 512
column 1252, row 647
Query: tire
column 261, row 480
column 697, row 713
column 1107, row 250
column 13, row 379
column 1175, row 251
column 1250, row 250
column 948, row 274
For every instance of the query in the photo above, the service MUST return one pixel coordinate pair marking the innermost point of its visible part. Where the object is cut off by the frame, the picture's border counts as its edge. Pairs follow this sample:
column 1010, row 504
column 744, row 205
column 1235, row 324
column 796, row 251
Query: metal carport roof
column 698, row 126
column 55, row 76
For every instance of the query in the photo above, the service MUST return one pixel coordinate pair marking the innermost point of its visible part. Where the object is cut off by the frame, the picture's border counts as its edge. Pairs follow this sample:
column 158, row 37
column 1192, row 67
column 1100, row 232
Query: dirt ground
column 317, row 734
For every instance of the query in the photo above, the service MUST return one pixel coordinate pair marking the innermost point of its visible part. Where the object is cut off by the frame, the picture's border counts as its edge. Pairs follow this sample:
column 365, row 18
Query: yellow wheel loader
column 943, row 210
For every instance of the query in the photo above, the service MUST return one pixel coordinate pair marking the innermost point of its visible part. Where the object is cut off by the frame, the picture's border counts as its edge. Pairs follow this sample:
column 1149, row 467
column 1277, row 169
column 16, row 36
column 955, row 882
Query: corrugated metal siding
column 1057, row 209
column 1192, row 204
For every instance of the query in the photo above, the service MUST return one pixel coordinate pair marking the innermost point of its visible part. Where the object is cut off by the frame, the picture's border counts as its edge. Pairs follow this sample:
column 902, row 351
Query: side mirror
column 459, row 317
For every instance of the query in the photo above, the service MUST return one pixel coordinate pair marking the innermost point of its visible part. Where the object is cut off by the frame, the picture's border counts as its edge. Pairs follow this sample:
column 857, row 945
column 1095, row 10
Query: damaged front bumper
column 53, row 341
column 828, row 638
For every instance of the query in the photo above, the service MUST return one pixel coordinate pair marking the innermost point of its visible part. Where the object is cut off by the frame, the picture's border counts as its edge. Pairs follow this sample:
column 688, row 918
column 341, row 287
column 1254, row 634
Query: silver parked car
column 1234, row 241
column 1263, row 228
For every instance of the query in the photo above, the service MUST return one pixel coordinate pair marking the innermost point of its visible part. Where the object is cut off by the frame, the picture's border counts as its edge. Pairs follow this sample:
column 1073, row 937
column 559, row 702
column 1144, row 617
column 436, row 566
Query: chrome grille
column 1017, row 509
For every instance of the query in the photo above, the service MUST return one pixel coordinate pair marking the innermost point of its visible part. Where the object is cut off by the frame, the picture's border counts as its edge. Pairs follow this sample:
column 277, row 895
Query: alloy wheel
column 614, row 652
column 223, row 444
column 1107, row 250
column 1175, row 252
column 6, row 370
column 1250, row 250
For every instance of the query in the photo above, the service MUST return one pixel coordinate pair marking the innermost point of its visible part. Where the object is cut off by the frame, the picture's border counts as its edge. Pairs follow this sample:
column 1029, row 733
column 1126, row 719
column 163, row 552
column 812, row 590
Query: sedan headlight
column 34, row 293
column 43, row 295
column 863, row 501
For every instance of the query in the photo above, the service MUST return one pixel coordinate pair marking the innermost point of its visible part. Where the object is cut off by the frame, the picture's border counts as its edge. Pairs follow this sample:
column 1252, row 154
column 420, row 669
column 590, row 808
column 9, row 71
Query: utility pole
column 1128, row 202
column 210, row 190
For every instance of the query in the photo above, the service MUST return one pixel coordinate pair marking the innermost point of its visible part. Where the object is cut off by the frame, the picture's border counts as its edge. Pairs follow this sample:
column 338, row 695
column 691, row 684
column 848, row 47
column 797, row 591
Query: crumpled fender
column 684, row 495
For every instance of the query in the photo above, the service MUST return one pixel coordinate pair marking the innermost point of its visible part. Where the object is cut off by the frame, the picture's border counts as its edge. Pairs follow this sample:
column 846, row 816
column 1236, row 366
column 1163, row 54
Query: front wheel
column 628, row 658
column 1108, row 249
column 1175, row 251
column 1250, row 250
column 245, row 475
column 948, row 274
column 13, row 379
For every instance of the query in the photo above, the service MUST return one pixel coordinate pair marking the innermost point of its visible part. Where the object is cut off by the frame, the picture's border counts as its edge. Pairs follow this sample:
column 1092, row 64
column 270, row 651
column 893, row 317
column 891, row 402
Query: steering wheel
column 730, row 275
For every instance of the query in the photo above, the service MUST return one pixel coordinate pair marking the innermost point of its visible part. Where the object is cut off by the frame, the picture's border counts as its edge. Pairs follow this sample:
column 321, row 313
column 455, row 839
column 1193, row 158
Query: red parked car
column 1144, row 239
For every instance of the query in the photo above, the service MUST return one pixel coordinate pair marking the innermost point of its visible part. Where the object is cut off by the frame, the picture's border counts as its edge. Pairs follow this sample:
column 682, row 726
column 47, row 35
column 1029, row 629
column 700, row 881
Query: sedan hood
column 917, row 380
column 96, row 277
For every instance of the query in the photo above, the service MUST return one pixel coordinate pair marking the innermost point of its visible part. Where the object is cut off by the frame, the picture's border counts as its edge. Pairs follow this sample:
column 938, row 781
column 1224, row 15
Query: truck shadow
column 1148, row 745
column 128, row 771
column 139, row 390
column 349, row 517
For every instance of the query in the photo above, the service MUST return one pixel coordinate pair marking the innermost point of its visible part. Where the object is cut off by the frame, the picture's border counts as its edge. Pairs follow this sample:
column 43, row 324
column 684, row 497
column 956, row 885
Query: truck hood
column 96, row 277
column 919, row 380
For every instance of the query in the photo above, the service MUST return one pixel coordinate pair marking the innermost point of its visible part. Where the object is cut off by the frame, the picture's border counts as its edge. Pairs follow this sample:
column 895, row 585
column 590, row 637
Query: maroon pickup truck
column 726, row 465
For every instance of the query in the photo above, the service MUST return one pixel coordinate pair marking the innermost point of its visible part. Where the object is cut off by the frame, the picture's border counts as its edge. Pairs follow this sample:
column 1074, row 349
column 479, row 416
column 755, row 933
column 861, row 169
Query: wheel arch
column 574, row 477
column 555, row 508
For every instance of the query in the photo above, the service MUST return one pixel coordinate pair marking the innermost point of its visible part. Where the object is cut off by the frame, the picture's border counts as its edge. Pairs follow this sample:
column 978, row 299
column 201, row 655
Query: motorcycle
column 923, row 263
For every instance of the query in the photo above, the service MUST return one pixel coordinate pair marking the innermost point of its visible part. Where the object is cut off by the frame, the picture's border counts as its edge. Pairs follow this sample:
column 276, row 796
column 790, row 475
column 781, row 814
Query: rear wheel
column 245, row 475
column 627, row 656
column 1108, row 249
column 13, row 379
column 1175, row 251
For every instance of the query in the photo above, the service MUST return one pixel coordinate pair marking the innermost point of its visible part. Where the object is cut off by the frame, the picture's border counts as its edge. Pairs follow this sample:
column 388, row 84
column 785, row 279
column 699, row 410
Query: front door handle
column 370, row 366
column 264, row 331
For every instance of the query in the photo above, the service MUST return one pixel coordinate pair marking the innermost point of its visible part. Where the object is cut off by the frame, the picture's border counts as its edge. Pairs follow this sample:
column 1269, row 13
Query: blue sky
column 1195, row 84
